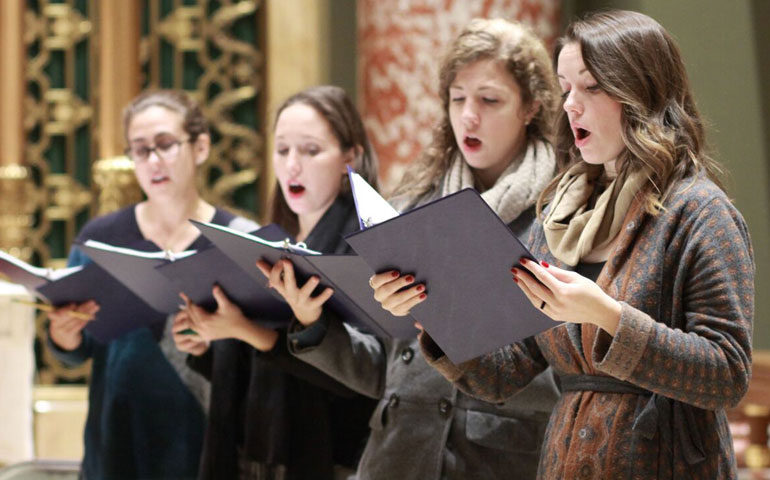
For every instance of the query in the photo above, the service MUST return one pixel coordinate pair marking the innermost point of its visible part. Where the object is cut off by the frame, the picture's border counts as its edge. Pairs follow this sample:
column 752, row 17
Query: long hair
column 334, row 105
column 635, row 61
column 523, row 55
column 193, row 121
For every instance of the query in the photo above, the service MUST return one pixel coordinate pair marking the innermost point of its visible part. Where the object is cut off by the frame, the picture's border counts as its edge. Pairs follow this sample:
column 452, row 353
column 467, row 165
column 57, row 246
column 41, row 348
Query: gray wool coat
column 424, row 427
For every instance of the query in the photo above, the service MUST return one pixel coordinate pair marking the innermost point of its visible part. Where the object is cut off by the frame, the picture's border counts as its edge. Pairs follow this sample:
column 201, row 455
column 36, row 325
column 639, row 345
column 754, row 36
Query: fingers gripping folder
column 463, row 253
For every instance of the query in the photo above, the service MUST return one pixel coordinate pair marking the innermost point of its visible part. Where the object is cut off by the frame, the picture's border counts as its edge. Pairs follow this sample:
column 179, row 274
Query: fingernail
column 515, row 279
column 409, row 278
column 523, row 260
column 514, row 271
column 422, row 296
column 420, row 288
column 545, row 264
column 394, row 274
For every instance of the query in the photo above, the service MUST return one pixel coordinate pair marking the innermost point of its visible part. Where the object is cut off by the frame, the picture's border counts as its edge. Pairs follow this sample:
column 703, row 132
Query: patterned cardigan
column 685, row 280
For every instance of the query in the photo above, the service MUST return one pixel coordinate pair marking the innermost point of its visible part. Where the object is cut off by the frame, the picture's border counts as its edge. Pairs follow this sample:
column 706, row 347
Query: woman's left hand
column 306, row 308
column 567, row 296
column 226, row 322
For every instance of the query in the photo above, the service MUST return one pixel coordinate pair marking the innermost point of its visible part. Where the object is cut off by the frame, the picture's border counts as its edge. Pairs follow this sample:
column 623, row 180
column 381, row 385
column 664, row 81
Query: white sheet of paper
column 371, row 207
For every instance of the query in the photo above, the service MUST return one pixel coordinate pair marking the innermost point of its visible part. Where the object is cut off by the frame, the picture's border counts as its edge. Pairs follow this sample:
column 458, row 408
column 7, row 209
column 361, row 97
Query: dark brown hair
column 635, row 61
column 193, row 121
column 334, row 105
column 523, row 55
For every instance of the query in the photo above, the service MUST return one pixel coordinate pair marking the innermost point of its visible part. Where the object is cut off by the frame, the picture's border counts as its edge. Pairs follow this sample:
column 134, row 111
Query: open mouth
column 296, row 188
column 581, row 134
column 472, row 142
column 159, row 179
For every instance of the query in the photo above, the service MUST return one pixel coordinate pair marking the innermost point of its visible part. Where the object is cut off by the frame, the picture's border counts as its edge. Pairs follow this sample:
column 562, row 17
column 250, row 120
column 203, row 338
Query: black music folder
column 15, row 270
column 136, row 269
column 464, row 253
column 196, row 275
column 348, row 275
column 120, row 312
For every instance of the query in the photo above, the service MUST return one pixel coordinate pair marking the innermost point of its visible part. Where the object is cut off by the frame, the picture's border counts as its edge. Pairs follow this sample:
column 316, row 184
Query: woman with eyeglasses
column 146, row 408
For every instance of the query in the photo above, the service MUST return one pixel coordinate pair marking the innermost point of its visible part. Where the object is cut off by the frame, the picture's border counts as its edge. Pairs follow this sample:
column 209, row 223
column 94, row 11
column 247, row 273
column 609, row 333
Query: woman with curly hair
column 498, row 91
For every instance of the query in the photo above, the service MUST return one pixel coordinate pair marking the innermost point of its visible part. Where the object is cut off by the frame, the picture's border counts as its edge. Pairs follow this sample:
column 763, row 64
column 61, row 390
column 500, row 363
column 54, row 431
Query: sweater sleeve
column 494, row 377
column 706, row 364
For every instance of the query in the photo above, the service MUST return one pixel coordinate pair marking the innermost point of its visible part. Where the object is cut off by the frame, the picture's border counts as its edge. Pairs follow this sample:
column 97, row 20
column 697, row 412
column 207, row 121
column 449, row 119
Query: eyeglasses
column 165, row 150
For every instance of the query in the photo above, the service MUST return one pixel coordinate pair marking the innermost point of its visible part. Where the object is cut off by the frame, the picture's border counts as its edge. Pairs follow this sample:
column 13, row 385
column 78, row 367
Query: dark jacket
column 282, row 415
column 143, row 422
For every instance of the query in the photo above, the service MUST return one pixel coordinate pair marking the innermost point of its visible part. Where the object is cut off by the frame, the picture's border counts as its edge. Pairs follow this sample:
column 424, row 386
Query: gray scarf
column 517, row 188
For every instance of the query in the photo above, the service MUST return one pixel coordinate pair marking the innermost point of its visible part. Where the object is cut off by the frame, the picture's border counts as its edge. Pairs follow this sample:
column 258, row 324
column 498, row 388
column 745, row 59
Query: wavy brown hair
column 334, row 105
column 524, row 57
column 636, row 62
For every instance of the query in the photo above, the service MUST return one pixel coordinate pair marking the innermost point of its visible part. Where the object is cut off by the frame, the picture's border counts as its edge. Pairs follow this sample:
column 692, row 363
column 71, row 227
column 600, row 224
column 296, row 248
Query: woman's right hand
column 66, row 329
column 388, row 291
column 186, row 338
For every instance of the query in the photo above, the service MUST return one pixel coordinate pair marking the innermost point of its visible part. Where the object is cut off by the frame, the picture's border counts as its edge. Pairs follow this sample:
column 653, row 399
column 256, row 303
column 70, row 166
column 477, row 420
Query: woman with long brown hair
column 647, row 262
column 274, row 417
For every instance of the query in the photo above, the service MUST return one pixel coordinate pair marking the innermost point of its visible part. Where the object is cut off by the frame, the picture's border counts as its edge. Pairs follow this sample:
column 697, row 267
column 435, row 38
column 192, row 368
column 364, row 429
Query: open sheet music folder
column 348, row 275
column 159, row 277
column 121, row 311
column 464, row 253
column 136, row 269
column 196, row 276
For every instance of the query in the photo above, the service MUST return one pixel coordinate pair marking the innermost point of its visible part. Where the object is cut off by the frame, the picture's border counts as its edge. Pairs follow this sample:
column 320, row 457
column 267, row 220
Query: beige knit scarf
column 517, row 188
column 573, row 229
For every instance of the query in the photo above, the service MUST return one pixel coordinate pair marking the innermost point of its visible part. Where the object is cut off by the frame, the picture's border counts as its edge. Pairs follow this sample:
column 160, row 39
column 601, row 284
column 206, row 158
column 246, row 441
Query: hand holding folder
column 463, row 252
column 347, row 275
column 120, row 310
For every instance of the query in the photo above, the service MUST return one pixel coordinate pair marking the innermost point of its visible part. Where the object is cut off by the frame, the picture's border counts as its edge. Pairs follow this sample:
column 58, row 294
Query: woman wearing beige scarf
column 645, row 260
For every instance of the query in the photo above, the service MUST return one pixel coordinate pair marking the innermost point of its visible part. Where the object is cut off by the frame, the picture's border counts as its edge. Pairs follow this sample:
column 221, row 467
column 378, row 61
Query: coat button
column 444, row 406
column 407, row 354
column 393, row 401
column 582, row 433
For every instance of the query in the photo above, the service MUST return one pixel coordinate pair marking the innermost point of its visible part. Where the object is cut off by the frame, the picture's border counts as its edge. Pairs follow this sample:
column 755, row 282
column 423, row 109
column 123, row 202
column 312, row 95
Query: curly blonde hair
column 524, row 57
column 635, row 61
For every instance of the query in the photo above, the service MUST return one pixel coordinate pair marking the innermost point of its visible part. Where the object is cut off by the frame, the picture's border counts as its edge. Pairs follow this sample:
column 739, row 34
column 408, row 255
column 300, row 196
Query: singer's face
column 594, row 116
column 308, row 161
column 488, row 118
column 163, row 156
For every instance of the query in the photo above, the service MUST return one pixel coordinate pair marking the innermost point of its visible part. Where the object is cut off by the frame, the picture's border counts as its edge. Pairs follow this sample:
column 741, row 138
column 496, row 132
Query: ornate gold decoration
column 59, row 124
column 17, row 206
column 234, row 75
column 210, row 57
column 117, row 184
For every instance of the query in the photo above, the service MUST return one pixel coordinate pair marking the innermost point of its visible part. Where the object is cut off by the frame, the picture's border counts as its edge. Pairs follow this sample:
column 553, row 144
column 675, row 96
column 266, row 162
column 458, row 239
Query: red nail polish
column 515, row 279
column 422, row 296
column 513, row 270
column 394, row 274
column 545, row 264
column 420, row 288
column 409, row 279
